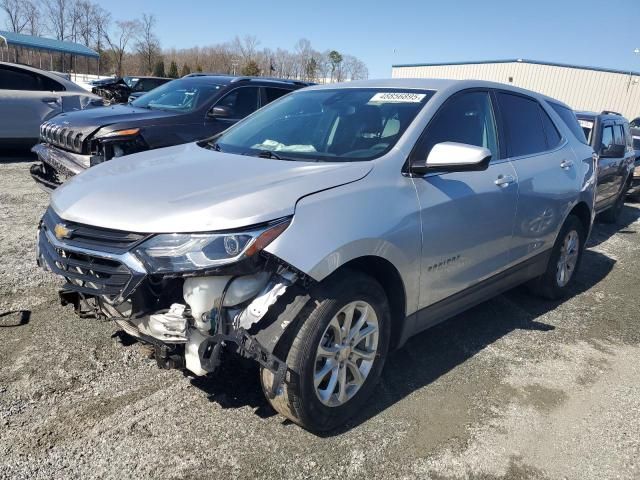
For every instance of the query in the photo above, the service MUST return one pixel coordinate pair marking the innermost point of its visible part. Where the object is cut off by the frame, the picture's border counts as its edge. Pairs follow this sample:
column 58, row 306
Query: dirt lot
column 515, row 388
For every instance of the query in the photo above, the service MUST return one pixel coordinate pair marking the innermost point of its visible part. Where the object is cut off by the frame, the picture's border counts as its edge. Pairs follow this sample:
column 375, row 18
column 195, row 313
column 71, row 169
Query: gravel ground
column 515, row 388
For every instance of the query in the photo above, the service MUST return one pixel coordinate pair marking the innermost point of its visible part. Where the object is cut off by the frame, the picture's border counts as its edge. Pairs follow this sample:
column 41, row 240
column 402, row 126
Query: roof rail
column 609, row 112
column 270, row 79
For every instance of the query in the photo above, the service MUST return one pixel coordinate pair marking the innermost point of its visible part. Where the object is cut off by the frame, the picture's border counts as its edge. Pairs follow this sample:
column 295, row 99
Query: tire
column 550, row 284
column 318, row 409
column 612, row 214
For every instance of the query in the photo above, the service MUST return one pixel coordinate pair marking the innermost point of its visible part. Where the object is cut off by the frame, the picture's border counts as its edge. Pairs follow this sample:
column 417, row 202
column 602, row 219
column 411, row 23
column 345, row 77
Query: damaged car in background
column 184, row 110
column 326, row 229
column 118, row 90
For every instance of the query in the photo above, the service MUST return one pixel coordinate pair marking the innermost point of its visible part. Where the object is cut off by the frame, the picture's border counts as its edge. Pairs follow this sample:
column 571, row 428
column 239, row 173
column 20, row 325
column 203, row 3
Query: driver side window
column 241, row 102
column 465, row 118
column 607, row 137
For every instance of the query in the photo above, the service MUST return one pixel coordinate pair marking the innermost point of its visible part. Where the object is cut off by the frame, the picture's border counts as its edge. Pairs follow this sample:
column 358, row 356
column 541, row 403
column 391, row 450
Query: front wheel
column 564, row 261
column 337, row 355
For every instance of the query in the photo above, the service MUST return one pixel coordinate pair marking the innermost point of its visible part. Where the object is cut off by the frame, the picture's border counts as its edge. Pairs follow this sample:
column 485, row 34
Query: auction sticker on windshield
column 397, row 97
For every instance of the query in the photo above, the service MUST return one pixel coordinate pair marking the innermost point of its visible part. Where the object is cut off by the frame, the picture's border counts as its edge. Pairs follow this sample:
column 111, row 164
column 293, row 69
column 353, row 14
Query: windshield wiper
column 214, row 146
column 269, row 154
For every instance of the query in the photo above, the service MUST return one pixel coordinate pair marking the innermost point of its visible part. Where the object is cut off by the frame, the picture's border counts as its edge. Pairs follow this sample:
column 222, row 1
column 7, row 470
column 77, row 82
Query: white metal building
column 582, row 88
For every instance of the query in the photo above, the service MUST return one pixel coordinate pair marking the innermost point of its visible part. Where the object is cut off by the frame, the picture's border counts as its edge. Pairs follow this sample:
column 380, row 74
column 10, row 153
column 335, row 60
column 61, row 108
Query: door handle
column 566, row 164
column 504, row 180
column 50, row 100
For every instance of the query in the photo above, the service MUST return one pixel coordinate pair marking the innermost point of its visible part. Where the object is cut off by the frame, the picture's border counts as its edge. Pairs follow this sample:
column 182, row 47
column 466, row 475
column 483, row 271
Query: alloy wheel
column 346, row 353
column 568, row 258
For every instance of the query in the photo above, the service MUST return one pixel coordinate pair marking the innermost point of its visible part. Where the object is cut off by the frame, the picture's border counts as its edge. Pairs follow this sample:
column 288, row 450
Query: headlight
column 129, row 132
column 185, row 252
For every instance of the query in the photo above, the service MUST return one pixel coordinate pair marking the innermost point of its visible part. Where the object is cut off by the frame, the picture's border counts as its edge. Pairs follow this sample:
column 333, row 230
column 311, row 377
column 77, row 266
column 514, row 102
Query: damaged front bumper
column 56, row 166
column 189, row 320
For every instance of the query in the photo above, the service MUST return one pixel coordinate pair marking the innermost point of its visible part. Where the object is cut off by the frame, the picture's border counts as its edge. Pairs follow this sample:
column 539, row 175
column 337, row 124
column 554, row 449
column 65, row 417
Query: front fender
column 364, row 218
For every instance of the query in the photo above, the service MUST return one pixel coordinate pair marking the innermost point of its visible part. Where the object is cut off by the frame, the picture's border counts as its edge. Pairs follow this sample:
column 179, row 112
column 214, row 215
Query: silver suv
column 326, row 229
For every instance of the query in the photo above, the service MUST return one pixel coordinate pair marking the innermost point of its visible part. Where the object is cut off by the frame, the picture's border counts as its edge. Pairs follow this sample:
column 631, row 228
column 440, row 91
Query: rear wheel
column 564, row 261
column 337, row 354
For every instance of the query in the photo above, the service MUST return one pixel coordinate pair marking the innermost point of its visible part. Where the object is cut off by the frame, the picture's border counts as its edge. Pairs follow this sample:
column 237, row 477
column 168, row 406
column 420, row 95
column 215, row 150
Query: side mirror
column 219, row 112
column 454, row 157
column 613, row 151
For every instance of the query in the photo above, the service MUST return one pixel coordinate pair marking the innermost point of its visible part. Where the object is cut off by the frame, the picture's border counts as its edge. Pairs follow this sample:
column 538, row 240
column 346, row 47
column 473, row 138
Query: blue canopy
column 48, row 44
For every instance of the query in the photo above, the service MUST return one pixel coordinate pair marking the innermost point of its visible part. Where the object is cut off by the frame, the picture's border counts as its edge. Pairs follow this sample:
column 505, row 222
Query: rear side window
column 570, row 120
column 619, row 135
column 627, row 136
column 523, row 125
column 274, row 93
column 17, row 79
column 550, row 130
column 241, row 101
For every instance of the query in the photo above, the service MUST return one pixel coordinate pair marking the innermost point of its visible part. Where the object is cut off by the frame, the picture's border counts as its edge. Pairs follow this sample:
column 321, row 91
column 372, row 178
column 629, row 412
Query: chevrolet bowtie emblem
column 61, row 231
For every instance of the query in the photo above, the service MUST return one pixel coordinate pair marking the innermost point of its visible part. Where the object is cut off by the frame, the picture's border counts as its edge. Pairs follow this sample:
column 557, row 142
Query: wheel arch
column 584, row 214
column 388, row 276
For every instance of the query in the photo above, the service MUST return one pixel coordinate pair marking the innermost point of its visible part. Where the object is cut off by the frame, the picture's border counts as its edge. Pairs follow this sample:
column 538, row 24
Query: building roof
column 48, row 44
column 518, row 60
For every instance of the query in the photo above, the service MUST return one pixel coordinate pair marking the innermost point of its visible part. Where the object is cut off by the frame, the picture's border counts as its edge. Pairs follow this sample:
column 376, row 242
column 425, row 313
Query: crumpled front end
column 189, row 316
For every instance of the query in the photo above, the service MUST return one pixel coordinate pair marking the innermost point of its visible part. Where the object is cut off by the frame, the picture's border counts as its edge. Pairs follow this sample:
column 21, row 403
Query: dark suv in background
column 181, row 111
column 610, row 136
column 634, row 191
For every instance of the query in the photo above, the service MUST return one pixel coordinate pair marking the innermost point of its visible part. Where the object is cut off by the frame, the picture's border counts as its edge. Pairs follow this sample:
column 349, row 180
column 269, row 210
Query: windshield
column 130, row 81
column 184, row 95
column 587, row 128
column 347, row 124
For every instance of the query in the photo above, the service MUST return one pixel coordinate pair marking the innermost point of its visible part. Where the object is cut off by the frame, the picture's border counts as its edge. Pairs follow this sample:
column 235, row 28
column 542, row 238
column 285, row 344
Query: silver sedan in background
column 29, row 96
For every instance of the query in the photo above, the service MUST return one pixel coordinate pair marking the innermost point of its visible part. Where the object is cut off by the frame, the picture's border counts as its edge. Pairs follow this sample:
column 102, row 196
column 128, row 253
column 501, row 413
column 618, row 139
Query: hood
column 90, row 120
column 187, row 188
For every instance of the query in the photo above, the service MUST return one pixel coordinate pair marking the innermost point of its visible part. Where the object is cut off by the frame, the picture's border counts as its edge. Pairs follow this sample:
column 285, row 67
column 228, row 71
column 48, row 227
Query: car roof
column 223, row 79
column 68, row 84
column 435, row 84
column 148, row 76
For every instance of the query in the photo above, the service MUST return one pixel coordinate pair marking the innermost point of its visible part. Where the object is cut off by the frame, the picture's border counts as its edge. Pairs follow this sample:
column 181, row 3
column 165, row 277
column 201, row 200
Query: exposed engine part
column 248, row 347
column 192, row 358
column 170, row 327
column 243, row 288
column 274, row 289
column 128, row 327
column 203, row 294
column 169, row 357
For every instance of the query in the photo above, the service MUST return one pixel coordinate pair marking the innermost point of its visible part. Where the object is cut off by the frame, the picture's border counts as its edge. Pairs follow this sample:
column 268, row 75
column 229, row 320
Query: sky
column 583, row 32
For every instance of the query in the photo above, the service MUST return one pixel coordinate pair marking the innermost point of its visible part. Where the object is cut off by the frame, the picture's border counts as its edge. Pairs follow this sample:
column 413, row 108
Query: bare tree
column 16, row 19
column 32, row 17
column 124, row 33
column 57, row 12
column 246, row 47
column 148, row 45
column 354, row 68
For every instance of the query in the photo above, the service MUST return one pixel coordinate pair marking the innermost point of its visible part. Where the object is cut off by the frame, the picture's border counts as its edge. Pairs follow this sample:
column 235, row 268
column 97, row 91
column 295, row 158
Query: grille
column 105, row 274
column 85, row 273
column 64, row 138
column 94, row 238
